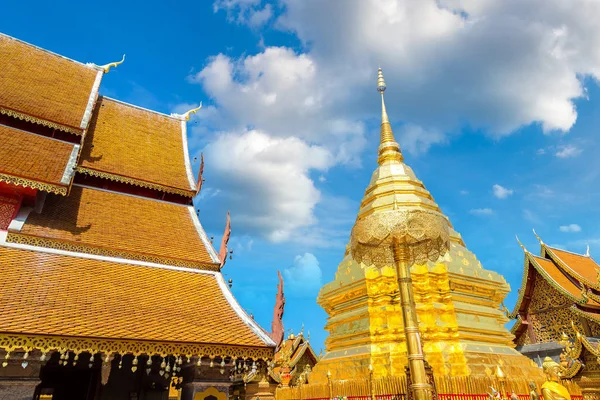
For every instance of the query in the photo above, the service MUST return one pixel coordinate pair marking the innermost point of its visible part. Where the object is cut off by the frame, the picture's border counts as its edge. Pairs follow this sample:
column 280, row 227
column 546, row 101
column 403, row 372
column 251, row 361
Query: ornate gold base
column 356, row 366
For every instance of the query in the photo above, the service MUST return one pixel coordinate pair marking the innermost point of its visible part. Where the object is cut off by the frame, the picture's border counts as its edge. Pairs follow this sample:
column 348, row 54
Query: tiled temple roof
column 36, row 161
column 63, row 295
column 137, row 146
column 572, row 275
column 582, row 267
column 102, row 222
column 45, row 88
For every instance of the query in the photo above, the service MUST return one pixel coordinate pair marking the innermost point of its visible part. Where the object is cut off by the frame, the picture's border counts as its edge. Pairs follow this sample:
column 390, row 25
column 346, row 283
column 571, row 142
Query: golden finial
column 107, row 67
column 388, row 147
column 521, row 244
column 537, row 237
column 186, row 115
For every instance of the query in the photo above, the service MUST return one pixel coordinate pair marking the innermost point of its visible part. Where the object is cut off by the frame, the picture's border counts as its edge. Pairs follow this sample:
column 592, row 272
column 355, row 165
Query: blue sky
column 495, row 104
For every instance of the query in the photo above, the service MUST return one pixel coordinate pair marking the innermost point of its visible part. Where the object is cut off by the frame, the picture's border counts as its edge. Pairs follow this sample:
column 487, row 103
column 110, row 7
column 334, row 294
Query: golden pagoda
column 110, row 287
column 457, row 301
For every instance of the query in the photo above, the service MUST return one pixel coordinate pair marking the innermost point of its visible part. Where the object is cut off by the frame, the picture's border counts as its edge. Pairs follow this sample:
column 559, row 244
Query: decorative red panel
column 9, row 205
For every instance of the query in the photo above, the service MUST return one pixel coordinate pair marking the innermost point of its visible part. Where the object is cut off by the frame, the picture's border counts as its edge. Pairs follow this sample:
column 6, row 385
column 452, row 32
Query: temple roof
column 579, row 266
column 129, row 144
column 566, row 272
column 290, row 352
column 103, row 222
column 36, row 161
column 45, row 88
column 61, row 294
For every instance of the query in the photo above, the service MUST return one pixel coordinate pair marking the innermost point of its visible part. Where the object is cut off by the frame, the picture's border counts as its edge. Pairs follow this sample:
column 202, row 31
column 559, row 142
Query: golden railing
column 451, row 387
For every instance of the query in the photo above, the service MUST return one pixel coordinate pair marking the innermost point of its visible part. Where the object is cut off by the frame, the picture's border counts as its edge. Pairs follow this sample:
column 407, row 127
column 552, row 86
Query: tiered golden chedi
column 457, row 301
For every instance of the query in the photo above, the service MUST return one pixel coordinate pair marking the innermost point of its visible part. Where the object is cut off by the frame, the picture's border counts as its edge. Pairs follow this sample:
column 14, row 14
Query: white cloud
column 481, row 211
column 245, row 11
column 417, row 140
column 304, row 276
column 496, row 64
column 570, row 228
column 265, row 181
column 322, row 179
column 464, row 192
column 541, row 152
column 501, row 192
column 568, row 151
column 281, row 93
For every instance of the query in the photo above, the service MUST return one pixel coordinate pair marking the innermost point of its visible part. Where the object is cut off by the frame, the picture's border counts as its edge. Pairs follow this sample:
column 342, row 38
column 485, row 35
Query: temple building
column 111, row 288
column 558, row 313
column 292, row 362
column 458, row 302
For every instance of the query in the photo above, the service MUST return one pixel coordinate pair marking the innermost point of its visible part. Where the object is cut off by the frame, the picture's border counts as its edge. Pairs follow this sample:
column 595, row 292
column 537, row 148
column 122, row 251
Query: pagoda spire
column 388, row 147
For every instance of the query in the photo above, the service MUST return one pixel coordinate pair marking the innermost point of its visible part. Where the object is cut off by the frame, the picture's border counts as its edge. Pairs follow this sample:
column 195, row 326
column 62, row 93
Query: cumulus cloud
column 265, row 181
column 497, row 64
column 568, row 151
column 304, row 276
column 493, row 65
column 481, row 211
column 501, row 192
column 280, row 92
column 570, row 228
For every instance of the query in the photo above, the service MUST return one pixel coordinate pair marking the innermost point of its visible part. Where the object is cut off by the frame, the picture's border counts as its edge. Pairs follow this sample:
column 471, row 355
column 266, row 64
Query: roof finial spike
column 186, row 116
column 587, row 250
column 115, row 64
column 200, row 175
column 388, row 147
column 521, row 244
column 538, row 238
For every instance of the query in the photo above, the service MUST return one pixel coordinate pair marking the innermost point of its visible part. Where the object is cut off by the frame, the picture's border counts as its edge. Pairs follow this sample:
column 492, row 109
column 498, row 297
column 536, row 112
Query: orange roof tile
column 54, row 294
column 35, row 158
column 121, row 225
column 44, row 85
column 579, row 264
column 561, row 279
column 137, row 146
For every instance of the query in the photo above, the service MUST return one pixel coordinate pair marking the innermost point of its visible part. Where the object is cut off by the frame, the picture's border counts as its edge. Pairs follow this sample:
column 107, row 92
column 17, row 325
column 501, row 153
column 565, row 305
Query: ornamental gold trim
column 582, row 340
column 135, row 182
column 29, row 118
column 46, row 187
column 521, row 290
column 529, row 259
column 20, row 238
column 48, row 343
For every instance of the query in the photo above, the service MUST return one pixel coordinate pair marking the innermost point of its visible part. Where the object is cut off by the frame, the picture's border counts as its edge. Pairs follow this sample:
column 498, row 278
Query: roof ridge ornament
column 200, row 175
column 587, row 250
column 521, row 244
column 224, row 242
column 538, row 238
column 106, row 67
column 186, row 115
